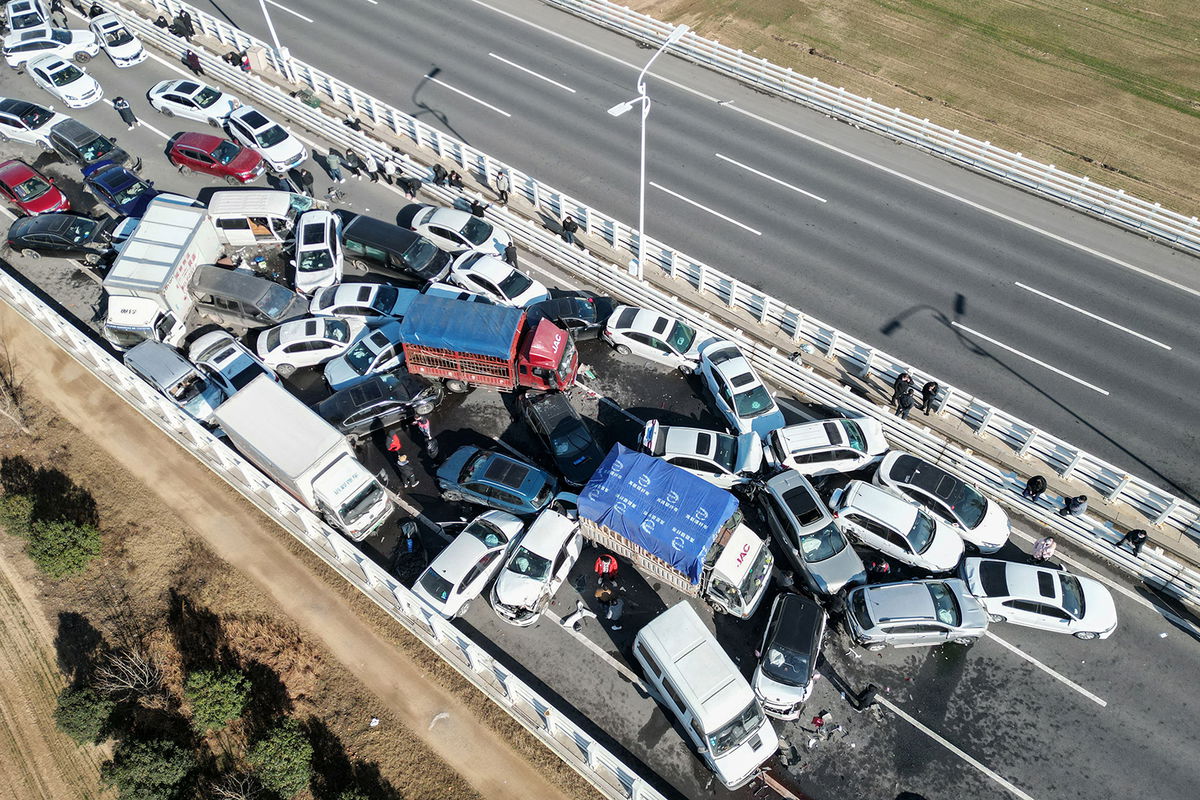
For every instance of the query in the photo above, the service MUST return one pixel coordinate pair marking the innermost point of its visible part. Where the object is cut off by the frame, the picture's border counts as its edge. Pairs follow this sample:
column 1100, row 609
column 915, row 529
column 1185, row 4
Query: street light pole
column 281, row 52
column 676, row 34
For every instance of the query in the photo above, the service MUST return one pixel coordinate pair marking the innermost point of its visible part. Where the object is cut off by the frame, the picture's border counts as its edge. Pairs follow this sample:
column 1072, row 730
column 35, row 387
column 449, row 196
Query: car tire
column 875, row 648
column 1087, row 636
column 360, row 265
column 91, row 259
column 31, row 254
column 216, row 123
column 451, row 496
column 166, row 112
column 184, row 169
column 82, row 58
column 456, row 386
column 623, row 349
column 686, row 370
column 423, row 410
column 996, row 618
column 4, row 138
column 233, row 180
column 285, row 370
column 965, row 641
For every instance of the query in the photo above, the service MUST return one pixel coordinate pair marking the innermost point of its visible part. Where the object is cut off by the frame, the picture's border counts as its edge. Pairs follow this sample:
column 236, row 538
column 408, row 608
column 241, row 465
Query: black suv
column 563, row 433
column 377, row 246
column 381, row 401
column 78, row 144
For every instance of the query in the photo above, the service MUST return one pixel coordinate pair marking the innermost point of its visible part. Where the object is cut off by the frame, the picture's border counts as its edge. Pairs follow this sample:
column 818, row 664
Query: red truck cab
column 548, row 360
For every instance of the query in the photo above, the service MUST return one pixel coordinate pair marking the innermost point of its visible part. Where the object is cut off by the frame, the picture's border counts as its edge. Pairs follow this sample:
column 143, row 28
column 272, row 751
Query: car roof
column 375, row 231
column 897, row 601
column 182, row 86
column 918, row 472
column 801, row 620
column 357, row 294
column 550, row 408
column 252, row 117
column 548, row 533
column 74, row 131
column 489, row 266
column 450, row 218
column 106, row 21
column 204, row 141
column 45, row 223
column 798, row 495
column 305, row 328
column 457, row 558
column 692, row 441
column 19, row 169
column 814, row 435
column 29, row 34
column 728, row 360
column 50, row 62
column 641, row 320
column 313, row 219
column 11, row 105
column 501, row 470
column 111, row 176
column 879, row 503
column 204, row 345
column 1029, row 581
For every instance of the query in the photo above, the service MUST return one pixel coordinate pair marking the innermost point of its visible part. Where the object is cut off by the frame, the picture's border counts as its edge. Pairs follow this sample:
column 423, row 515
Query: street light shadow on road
column 1173, row 611
column 424, row 109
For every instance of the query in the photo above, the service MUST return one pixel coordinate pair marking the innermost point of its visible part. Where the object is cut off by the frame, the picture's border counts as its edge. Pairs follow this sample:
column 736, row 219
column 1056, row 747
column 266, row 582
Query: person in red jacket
column 606, row 568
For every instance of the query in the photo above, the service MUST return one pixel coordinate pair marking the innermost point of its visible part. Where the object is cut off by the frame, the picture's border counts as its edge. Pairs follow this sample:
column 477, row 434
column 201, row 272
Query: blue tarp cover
column 663, row 509
column 449, row 324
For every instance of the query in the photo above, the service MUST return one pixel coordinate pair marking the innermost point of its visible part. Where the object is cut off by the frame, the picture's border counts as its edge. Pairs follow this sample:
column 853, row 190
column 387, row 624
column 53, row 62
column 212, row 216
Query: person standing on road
column 1044, row 549
column 1073, row 506
column 569, row 227
column 371, row 166
column 1136, row 539
column 127, row 115
column 510, row 254
column 606, row 568
column 1034, row 488
column 903, row 381
column 906, row 402
column 408, row 476
column 503, row 185
column 928, row 394
column 390, row 170
column 333, row 165
column 303, row 179
column 192, row 60
column 353, row 163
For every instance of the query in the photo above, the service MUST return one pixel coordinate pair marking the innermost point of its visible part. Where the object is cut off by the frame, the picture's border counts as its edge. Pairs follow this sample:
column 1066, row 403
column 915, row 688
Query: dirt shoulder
column 446, row 722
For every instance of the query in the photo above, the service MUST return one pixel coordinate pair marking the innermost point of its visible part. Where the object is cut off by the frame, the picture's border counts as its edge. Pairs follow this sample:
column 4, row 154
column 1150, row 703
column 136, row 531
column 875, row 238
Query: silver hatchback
column 914, row 614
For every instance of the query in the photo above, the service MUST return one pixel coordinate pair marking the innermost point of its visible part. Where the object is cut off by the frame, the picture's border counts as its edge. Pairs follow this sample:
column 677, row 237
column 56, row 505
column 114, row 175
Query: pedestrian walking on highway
column 569, row 227
column 613, row 605
column 1073, row 506
column 1044, row 549
column 1034, row 488
column 333, row 166
column 928, row 394
column 903, row 381
column 371, row 166
column 410, row 186
column 503, row 185
column 906, row 402
column 454, row 180
column 303, row 179
column 439, row 175
column 1136, row 539
column 192, row 60
column 185, row 21
column 510, row 254
column 477, row 208
column 421, row 423
column 352, row 162
column 390, row 170
column 408, row 475
column 127, row 115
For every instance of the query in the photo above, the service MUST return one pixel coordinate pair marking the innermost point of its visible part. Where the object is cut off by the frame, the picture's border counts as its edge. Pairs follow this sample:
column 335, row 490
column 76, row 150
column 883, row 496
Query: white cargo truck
column 149, row 285
column 305, row 455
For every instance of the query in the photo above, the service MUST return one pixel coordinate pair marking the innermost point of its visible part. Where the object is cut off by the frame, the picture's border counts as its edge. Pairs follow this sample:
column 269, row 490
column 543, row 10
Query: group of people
column 904, row 395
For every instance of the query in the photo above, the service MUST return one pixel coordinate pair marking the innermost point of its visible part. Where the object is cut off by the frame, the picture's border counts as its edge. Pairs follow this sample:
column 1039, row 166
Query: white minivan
column 701, row 686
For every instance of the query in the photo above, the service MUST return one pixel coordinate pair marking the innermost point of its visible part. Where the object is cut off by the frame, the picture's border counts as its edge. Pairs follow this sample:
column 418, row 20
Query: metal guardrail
column 1081, row 193
column 608, row 773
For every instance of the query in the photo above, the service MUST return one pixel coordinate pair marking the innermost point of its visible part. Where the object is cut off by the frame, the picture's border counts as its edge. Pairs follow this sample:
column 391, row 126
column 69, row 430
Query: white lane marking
column 442, row 83
column 1096, row 317
column 952, row 748
column 705, row 208
column 288, row 10
column 373, row 2
column 1017, row 352
column 150, row 127
column 1049, row 671
column 771, row 178
column 866, row 161
column 531, row 72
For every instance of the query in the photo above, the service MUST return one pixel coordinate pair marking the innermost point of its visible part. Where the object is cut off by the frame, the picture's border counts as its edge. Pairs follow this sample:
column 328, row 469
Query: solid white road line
column 288, row 10
column 771, row 178
column 953, row 749
column 705, row 208
column 531, row 72
column 1051, row 672
column 464, row 94
column 1017, row 352
column 1096, row 317
column 154, row 129
column 865, row 161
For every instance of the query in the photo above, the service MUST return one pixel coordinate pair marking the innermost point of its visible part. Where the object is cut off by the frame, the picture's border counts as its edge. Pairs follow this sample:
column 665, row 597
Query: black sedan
column 379, row 402
column 583, row 314
column 63, row 235
column 563, row 433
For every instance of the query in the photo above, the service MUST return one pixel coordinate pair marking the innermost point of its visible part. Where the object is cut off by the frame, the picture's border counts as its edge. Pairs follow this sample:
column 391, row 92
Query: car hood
column 750, row 454
column 945, row 551
column 518, row 591
column 974, row 614
column 992, row 531
column 836, row 573
column 765, row 423
column 340, row 375
column 244, row 162
column 779, row 694
column 307, row 282
column 1099, row 610
column 577, row 470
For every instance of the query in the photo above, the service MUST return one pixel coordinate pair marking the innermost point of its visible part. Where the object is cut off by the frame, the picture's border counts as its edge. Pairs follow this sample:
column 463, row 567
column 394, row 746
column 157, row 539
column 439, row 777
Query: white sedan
column 722, row 460
column 538, row 565
column 655, row 337
column 496, row 280
column 227, row 361
column 462, row 571
column 22, row 121
column 122, row 46
column 319, row 257
column 280, row 149
column 454, row 230
column 306, row 342
column 1041, row 597
column 64, row 80
column 739, row 394
column 191, row 100
column 30, row 43
column 365, row 301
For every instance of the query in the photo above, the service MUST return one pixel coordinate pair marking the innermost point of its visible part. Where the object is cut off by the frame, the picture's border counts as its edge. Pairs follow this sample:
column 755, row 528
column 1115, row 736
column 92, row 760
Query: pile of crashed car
column 434, row 307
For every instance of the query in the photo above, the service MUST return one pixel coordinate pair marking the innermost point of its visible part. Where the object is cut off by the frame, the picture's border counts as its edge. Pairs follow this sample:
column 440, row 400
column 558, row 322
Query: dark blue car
column 121, row 190
column 494, row 480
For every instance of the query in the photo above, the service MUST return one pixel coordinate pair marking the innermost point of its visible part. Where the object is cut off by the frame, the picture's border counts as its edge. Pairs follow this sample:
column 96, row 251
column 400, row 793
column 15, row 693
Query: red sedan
column 212, row 155
column 32, row 191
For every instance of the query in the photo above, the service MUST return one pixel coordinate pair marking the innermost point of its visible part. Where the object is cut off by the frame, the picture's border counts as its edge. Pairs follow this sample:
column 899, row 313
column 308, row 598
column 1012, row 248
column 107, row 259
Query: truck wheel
column 457, row 386
column 622, row 349
column 451, row 496
column 285, row 369
column 33, row 254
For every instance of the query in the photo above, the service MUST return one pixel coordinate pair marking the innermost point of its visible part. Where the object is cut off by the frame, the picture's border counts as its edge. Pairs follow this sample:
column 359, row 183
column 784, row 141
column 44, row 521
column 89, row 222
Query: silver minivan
column 236, row 299
column 914, row 614
column 165, row 368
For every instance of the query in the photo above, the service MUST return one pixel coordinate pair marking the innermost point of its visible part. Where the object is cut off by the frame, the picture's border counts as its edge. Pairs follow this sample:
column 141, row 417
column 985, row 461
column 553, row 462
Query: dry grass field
column 1107, row 88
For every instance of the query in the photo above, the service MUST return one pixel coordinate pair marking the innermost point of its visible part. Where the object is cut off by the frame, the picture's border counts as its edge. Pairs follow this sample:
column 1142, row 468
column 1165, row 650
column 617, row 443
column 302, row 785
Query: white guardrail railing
column 1113, row 205
column 1158, row 507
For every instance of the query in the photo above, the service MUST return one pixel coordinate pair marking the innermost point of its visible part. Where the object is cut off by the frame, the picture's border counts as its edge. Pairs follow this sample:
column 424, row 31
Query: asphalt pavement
column 1080, row 328
column 1021, row 714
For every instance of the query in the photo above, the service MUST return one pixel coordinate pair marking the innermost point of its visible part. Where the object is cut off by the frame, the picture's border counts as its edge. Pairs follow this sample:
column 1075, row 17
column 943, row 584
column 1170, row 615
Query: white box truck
column 305, row 455
column 149, row 285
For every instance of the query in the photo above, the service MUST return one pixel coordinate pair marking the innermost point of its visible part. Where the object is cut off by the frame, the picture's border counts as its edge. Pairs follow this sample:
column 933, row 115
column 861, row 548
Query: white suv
column 280, row 149
column 896, row 527
column 319, row 257
column 43, row 40
column 827, row 446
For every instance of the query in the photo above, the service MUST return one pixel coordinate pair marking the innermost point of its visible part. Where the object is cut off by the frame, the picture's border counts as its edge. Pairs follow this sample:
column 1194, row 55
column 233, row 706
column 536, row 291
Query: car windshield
column 117, row 37
column 360, row 357
column 921, row 534
column 70, row 74
column 968, row 504
column 741, row 728
column 420, row 254
column 753, row 403
column 247, row 372
column 315, row 261
column 385, row 298
column 726, row 451
column 437, row 586
column 488, row 534
column 681, row 337
column 756, row 575
column 945, row 607
column 568, row 357
column 822, row 544
column 529, row 564
column 271, row 136
column 1072, row 595
column 787, row 666
column 515, row 284
column 206, row 97
column 61, row 36
column 96, row 149
column 477, row 231
column 854, row 435
column 36, row 116
column 225, row 152
column 569, row 441
column 131, row 193
column 31, row 188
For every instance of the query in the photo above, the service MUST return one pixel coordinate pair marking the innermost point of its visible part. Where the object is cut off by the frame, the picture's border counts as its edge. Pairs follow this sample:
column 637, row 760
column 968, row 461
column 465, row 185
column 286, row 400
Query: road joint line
column 531, row 72
column 771, row 178
column 483, row 103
